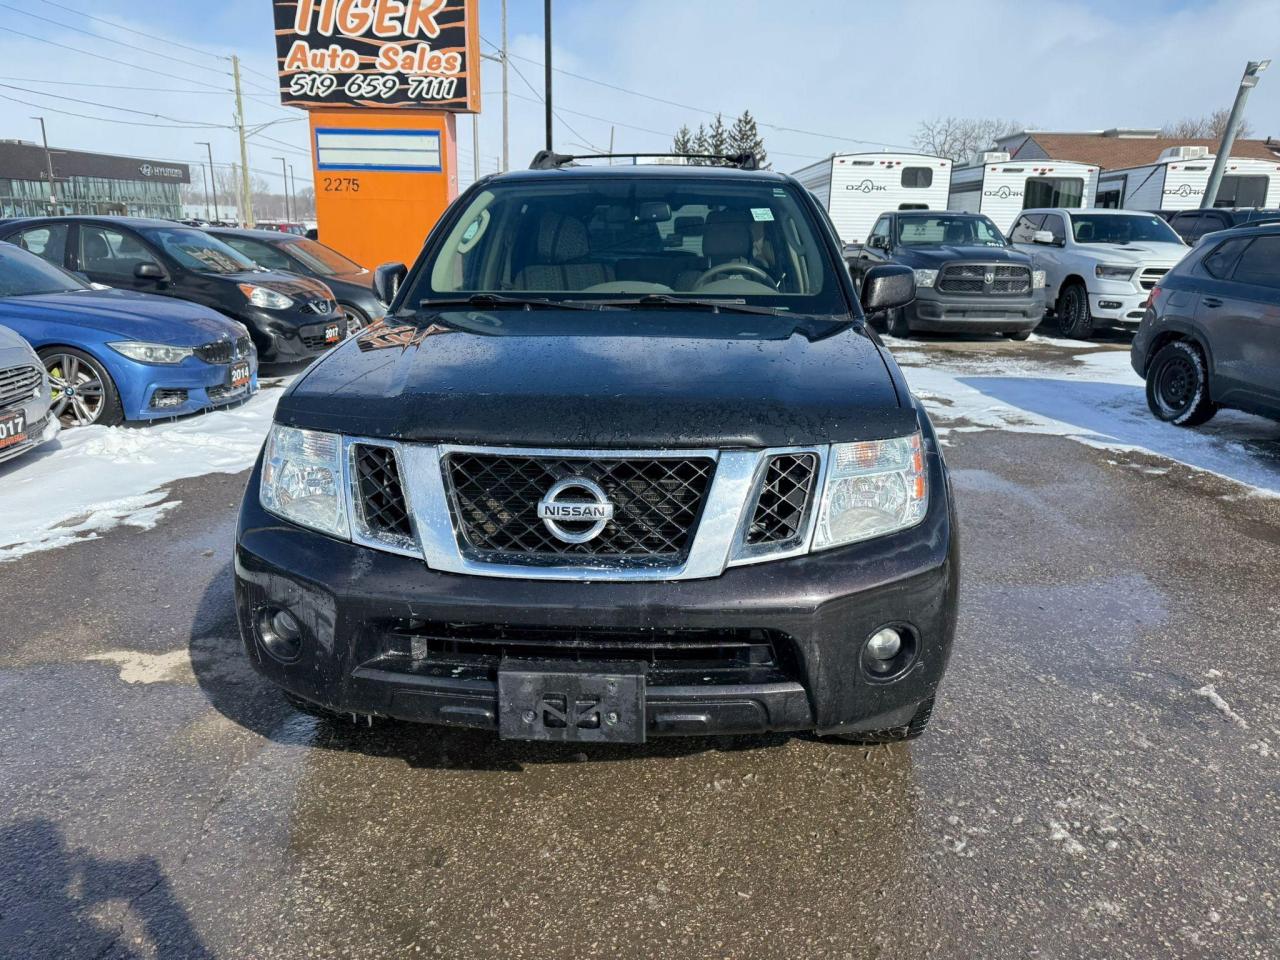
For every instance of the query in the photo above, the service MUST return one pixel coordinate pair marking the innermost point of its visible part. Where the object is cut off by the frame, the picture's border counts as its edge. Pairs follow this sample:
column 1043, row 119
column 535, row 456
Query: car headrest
column 955, row 233
column 95, row 247
column 561, row 238
column 727, row 235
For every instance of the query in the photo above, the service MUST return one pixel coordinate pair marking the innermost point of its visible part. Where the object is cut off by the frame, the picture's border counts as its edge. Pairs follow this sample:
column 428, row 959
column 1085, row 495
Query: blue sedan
column 116, row 355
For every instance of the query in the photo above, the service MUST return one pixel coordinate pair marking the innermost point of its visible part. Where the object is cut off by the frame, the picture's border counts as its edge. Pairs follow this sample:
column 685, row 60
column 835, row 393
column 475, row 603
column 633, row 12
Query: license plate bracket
column 571, row 702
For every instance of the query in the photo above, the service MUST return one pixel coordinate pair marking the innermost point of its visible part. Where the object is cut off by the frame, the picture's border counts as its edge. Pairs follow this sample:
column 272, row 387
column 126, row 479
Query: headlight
column 151, row 352
column 873, row 487
column 925, row 278
column 1037, row 279
column 265, row 297
column 302, row 480
column 1113, row 271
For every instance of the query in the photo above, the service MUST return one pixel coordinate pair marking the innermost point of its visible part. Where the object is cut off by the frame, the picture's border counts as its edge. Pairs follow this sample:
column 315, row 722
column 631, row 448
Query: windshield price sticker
column 762, row 214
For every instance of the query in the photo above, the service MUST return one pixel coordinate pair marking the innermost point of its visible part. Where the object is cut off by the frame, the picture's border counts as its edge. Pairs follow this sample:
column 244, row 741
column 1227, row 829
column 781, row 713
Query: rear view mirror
column 387, row 279
column 887, row 286
column 1045, row 237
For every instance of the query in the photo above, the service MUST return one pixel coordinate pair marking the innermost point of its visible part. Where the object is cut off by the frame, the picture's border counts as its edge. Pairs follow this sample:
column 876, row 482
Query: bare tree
column 959, row 138
column 1208, row 127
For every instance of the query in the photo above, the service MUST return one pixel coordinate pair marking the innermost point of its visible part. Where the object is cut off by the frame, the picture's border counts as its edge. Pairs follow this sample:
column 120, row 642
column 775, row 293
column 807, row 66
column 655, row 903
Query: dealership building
column 87, row 183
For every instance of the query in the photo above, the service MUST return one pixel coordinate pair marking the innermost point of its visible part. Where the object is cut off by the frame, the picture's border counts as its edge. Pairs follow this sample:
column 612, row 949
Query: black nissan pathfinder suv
column 623, row 460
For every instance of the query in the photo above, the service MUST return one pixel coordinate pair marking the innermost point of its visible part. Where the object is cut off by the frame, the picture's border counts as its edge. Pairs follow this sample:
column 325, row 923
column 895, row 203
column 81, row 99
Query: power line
column 120, row 26
column 555, row 113
column 86, row 116
column 194, row 124
column 123, row 63
column 115, row 86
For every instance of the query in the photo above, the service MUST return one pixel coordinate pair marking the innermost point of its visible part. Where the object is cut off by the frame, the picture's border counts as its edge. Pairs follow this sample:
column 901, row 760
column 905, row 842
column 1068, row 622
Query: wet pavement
column 1100, row 778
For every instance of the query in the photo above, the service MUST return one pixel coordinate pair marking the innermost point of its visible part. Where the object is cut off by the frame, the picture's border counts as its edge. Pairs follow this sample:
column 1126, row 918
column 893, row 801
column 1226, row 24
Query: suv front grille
column 657, row 502
column 381, row 494
column 18, row 383
column 1006, row 279
column 784, row 497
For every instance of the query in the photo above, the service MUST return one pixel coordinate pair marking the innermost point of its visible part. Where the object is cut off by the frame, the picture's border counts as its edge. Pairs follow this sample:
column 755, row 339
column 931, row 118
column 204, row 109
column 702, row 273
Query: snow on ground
column 92, row 479
column 1093, row 397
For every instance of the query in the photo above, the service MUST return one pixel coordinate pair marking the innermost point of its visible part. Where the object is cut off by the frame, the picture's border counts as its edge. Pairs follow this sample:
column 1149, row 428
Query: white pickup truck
column 1100, row 265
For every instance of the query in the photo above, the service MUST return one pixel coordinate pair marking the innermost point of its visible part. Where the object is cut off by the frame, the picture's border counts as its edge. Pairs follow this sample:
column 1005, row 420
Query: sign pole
column 244, row 147
column 546, row 57
column 506, row 129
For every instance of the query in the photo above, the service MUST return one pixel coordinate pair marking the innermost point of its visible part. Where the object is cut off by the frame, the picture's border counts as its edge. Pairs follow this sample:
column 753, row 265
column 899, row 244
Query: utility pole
column 611, row 129
column 284, row 175
column 506, row 130
column 293, row 192
column 244, row 146
column 546, row 59
column 213, row 177
column 48, row 162
column 1247, row 83
column 475, row 147
column 205, row 180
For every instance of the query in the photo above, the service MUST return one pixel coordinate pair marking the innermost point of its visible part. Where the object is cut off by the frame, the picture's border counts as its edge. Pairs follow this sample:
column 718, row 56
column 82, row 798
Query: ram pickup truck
column 967, row 276
column 1100, row 266
column 605, row 473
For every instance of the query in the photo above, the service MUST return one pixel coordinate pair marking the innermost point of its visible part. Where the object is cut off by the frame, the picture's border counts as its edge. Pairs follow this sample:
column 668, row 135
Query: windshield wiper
column 502, row 300
column 716, row 306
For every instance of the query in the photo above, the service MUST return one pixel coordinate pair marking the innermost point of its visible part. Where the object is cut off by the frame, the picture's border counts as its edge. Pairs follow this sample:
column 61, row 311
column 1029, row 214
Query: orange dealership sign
column 401, row 54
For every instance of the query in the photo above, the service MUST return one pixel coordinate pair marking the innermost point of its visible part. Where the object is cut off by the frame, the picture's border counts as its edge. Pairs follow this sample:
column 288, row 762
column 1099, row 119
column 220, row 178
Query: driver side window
column 881, row 231
column 111, row 252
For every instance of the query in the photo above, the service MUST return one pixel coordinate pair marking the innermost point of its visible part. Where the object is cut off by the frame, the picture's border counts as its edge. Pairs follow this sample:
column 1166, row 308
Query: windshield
column 24, row 274
column 321, row 259
column 1121, row 228
column 624, row 238
column 954, row 231
column 198, row 251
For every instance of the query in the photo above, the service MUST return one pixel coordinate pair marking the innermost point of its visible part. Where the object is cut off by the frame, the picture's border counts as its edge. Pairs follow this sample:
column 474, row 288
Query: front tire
column 82, row 391
column 896, row 324
column 1074, row 317
column 1178, row 385
column 1020, row 335
column 357, row 319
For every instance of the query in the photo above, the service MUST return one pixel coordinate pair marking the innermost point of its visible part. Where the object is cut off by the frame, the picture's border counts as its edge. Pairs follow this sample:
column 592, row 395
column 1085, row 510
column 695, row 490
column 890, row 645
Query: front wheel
column 82, row 391
column 1178, row 385
column 1020, row 335
column 897, row 325
column 1074, row 317
column 357, row 320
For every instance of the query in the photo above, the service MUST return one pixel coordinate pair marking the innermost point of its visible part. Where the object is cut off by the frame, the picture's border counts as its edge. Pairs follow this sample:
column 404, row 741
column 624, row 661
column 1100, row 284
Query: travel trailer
column 855, row 188
column 1002, row 189
column 1177, row 181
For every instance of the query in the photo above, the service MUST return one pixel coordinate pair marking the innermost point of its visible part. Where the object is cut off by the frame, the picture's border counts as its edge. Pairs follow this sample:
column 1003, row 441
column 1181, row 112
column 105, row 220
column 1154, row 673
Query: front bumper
column 358, row 605
column 190, row 387
column 290, row 338
column 1125, row 308
column 39, row 432
column 939, row 311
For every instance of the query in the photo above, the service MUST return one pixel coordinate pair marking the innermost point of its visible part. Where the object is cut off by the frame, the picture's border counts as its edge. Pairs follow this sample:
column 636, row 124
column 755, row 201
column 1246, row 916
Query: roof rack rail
column 550, row 160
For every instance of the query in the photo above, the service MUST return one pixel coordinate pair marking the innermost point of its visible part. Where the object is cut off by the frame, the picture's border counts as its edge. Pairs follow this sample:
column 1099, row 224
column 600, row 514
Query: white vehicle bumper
column 1125, row 308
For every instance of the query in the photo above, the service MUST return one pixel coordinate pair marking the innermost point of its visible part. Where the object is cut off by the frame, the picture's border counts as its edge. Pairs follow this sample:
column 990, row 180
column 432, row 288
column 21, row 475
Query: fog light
column 281, row 633
column 1110, row 304
column 884, row 644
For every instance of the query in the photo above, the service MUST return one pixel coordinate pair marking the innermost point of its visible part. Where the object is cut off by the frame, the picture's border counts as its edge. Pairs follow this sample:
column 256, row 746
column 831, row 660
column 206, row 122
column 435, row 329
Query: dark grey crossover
column 623, row 460
column 1210, row 336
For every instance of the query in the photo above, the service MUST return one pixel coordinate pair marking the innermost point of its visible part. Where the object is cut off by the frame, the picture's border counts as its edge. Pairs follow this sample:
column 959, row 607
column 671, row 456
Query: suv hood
column 124, row 313
column 932, row 256
column 1137, row 253
column 617, row 378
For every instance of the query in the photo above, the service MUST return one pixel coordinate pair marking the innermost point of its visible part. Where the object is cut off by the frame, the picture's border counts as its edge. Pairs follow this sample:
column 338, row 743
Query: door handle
column 1211, row 302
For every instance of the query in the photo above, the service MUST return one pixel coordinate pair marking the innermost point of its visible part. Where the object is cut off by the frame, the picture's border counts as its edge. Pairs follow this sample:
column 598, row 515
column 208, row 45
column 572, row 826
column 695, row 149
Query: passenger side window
column 1055, row 225
column 48, row 242
column 881, row 229
column 1219, row 263
column 1260, row 263
column 1024, row 231
column 109, row 251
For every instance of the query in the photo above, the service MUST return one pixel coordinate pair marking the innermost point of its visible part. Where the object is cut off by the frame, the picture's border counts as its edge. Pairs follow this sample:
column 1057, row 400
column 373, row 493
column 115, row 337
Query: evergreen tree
column 718, row 136
column 700, row 143
column 683, row 142
column 744, row 137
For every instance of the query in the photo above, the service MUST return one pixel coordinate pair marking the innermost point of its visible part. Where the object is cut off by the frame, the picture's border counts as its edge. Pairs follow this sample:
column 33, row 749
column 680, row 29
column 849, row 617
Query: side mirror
column 1045, row 237
column 387, row 279
column 149, row 271
column 887, row 286
column 878, row 243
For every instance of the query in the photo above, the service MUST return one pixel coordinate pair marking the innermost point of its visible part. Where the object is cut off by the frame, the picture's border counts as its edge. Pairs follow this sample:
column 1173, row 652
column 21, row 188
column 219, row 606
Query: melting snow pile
column 94, row 478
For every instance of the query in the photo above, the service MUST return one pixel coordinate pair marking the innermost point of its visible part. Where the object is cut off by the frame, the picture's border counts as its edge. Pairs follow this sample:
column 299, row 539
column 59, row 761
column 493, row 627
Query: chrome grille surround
column 1007, row 279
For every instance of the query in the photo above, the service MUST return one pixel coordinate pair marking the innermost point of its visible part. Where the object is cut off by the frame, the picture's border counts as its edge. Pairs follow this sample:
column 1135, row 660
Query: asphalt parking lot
column 1100, row 779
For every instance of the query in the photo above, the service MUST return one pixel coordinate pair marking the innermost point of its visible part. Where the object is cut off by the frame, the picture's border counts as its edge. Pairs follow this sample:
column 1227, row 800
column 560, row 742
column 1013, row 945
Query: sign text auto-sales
column 378, row 53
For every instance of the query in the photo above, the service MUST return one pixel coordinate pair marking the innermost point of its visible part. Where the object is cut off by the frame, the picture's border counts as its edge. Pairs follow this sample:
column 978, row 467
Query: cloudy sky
column 821, row 75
